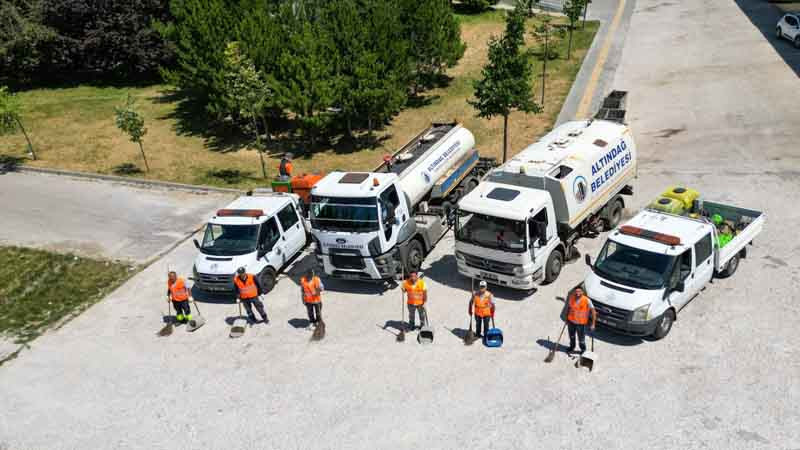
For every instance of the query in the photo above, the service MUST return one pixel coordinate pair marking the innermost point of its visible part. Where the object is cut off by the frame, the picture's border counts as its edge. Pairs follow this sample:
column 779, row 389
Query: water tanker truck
column 521, row 223
column 374, row 225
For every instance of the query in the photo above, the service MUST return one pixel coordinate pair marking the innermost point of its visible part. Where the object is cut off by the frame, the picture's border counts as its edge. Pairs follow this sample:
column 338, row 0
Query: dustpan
column 198, row 321
column 587, row 359
column 425, row 335
column 493, row 337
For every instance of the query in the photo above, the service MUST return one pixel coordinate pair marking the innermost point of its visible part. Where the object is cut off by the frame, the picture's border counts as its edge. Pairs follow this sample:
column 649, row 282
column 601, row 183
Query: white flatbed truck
column 657, row 262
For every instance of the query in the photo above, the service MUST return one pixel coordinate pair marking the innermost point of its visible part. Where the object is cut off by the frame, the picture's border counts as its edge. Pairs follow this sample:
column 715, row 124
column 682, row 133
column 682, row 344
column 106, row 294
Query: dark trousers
column 412, row 311
column 182, row 307
column 314, row 312
column 580, row 330
column 481, row 321
column 248, row 306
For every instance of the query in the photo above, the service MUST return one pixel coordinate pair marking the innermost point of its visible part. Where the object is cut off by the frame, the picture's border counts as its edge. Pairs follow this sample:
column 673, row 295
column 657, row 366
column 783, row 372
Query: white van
column 262, row 233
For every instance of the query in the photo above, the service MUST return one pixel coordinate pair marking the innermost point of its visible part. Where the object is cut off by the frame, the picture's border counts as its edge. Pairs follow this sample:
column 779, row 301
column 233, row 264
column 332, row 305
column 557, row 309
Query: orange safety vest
column 310, row 294
column 578, row 310
column 482, row 305
column 178, row 290
column 285, row 168
column 415, row 292
column 247, row 288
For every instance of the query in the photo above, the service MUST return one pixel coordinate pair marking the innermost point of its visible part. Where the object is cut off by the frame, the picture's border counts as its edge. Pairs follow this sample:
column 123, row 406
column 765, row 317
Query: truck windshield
column 491, row 232
column 229, row 239
column 344, row 214
column 632, row 266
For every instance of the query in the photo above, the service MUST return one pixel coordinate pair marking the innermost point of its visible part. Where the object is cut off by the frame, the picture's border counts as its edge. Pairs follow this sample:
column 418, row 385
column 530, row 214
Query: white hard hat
column 482, row 284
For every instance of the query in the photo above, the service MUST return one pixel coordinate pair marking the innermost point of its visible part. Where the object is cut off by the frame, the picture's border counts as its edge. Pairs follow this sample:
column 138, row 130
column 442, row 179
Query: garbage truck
column 657, row 262
column 374, row 225
column 521, row 223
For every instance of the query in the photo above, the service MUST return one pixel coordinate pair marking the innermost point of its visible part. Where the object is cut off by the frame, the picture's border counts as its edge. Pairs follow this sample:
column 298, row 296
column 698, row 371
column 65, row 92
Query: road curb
column 126, row 180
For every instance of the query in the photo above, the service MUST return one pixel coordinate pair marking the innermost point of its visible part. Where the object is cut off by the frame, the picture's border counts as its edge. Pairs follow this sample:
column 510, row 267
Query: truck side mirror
column 542, row 241
column 680, row 287
column 196, row 244
column 588, row 260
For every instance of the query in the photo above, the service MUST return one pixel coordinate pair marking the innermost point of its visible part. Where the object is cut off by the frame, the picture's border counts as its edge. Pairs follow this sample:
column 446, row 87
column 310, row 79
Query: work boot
column 251, row 320
column 179, row 318
column 188, row 317
column 571, row 350
column 264, row 320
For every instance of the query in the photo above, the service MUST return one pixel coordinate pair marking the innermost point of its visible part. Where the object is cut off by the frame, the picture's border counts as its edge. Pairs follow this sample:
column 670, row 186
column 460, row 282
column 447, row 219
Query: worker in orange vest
column 285, row 167
column 247, row 291
column 178, row 293
column 416, row 297
column 579, row 307
column 482, row 304
column 311, row 288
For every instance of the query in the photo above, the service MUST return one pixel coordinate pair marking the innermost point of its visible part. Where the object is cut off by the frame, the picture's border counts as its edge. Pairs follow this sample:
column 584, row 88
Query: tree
column 506, row 83
column 546, row 33
column 247, row 93
column 11, row 116
column 131, row 122
column 23, row 41
column 573, row 10
column 476, row 5
column 434, row 37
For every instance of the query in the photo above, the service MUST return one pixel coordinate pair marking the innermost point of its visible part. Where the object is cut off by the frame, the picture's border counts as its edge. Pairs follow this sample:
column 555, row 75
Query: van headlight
column 519, row 271
column 194, row 272
column 459, row 256
column 640, row 314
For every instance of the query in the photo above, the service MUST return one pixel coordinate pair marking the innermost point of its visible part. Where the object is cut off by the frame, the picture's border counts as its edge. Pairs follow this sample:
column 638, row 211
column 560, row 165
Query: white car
column 789, row 28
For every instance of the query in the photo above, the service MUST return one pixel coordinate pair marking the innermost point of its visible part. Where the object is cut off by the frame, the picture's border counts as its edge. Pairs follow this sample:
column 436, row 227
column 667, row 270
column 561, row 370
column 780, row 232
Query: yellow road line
column 583, row 107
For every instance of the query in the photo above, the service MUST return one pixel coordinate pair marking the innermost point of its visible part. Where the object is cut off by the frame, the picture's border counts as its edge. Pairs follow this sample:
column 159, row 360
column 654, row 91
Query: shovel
column 197, row 322
column 237, row 330
column 167, row 330
column 319, row 331
column 587, row 359
column 552, row 353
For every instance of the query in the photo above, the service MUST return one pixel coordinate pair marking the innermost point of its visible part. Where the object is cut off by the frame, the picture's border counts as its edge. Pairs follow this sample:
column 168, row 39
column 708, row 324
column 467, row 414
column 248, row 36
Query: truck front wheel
column 554, row 264
column 267, row 279
column 416, row 255
column 664, row 325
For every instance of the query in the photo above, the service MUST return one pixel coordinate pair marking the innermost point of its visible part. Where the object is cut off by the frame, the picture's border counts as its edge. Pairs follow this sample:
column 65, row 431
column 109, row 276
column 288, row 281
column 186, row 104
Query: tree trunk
column 569, row 47
column 266, row 128
column 505, row 137
column 369, row 124
column 258, row 148
column 349, row 127
column 25, row 133
column 544, row 64
column 141, row 149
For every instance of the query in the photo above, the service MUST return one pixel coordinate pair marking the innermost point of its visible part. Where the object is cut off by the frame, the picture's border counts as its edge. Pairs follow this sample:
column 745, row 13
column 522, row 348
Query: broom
column 401, row 337
column 167, row 330
column 470, row 338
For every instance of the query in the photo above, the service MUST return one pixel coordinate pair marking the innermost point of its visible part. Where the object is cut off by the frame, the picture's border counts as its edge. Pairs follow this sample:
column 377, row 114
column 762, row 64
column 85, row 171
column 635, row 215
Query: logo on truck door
column 579, row 188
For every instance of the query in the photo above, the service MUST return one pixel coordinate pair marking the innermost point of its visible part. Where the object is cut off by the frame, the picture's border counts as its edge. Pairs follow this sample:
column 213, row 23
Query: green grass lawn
column 73, row 128
column 39, row 289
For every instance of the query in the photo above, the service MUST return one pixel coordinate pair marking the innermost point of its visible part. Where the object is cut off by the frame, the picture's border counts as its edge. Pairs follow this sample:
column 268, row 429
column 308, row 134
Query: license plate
column 489, row 276
column 350, row 276
column 606, row 321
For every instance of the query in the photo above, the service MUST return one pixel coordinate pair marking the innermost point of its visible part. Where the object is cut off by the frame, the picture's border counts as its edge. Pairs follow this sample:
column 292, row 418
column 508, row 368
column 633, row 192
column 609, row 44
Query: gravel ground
column 98, row 219
column 709, row 109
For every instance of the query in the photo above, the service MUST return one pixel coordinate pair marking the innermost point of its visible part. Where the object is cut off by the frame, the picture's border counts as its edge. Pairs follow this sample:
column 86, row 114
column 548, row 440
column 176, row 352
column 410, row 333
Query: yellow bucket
column 668, row 205
column 686, row 196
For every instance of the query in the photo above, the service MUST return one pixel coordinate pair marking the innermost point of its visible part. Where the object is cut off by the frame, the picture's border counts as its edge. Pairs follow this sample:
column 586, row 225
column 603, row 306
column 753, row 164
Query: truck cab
column 506, row 235
column 261, row 233
column 358, row 219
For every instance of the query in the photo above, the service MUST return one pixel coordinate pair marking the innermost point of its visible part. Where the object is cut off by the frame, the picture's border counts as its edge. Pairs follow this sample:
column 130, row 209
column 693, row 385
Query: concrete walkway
column 98, row 218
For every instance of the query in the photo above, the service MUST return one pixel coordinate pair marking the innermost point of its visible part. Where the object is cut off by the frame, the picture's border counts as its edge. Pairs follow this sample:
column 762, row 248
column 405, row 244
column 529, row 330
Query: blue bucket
column 493, row 338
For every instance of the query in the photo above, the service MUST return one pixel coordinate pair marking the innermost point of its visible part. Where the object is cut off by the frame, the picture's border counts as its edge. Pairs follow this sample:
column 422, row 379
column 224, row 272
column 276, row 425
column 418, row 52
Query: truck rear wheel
column 554, row 264
column 614, row 216
column 664, row 325
column 731, row 267
column 416, row 254
column 267, row 279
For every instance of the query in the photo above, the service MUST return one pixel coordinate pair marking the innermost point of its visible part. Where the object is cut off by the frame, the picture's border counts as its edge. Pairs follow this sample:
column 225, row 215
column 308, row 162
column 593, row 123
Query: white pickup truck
column 657, row 262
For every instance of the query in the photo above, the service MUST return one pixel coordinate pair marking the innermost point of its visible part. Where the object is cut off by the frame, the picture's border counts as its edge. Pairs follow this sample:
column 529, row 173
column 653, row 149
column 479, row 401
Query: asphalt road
column 709, row 109
column 97, row 218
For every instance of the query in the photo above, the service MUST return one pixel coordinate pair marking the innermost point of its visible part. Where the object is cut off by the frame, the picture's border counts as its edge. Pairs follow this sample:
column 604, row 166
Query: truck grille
column 220, row 282
column 489, row 265
column 344, row 260
column 612, row 312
